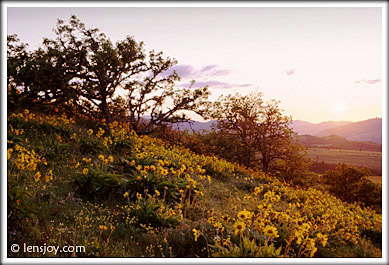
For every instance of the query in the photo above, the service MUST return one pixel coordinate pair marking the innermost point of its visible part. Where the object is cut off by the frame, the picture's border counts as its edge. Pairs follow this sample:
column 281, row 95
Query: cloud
column 206, row 74
column 368, row 81
column 215, row 84
column 220, row 72
column 186, row 71
column 212, row 70
column 183, row 70
column 208, row 67
column 290, row 72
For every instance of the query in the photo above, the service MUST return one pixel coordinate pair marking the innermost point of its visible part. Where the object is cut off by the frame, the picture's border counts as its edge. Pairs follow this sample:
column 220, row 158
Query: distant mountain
column 196, row 126
column 301, row 127
column 336, row 141
column 304, row 127
column 367, row 130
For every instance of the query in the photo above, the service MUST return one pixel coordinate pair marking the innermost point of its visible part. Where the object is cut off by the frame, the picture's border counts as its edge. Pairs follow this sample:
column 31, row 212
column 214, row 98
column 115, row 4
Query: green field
column 328, row 158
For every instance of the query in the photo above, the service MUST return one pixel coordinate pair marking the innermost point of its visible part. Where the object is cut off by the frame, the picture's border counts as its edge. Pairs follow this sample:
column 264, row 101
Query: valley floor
column 331, row 157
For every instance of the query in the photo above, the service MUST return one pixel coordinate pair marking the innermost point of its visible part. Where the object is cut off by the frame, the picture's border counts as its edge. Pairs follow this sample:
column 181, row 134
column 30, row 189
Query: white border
column 193, row 4
column 385, row 131
column 5, row 260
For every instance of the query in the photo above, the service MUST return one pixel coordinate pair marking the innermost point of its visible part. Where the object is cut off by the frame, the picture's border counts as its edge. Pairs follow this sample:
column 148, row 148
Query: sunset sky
column 321, row 63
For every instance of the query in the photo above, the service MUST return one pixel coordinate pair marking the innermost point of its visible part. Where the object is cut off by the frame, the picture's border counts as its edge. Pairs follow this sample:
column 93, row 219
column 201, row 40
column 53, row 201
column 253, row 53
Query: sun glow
column 339, row 107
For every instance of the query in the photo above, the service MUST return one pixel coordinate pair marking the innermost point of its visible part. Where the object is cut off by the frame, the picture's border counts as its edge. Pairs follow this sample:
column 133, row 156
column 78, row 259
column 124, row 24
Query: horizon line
column 307, row 120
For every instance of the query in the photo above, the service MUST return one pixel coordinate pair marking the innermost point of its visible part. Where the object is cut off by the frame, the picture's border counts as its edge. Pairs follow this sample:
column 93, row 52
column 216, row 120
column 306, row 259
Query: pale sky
column 321, row 63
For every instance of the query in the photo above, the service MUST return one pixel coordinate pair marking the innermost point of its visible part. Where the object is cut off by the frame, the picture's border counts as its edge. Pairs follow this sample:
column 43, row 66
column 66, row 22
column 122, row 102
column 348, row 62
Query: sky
column 321, row 63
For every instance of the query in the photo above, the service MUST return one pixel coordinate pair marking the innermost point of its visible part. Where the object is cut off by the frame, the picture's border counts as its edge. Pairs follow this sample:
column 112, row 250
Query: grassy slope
column 122, row 195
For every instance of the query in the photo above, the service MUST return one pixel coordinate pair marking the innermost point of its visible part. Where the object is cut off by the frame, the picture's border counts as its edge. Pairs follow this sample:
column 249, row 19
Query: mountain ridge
column 365, row 130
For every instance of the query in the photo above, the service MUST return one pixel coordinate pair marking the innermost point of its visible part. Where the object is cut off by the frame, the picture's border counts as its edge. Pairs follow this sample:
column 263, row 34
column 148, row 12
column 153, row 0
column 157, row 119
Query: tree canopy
column 81, row 70
column 261, row 132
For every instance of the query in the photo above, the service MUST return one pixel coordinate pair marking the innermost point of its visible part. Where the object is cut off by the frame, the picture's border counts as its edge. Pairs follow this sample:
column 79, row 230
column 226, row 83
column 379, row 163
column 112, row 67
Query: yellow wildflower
column 211, row 211
column 103, row 227
column 218, row 226
column 226, row 218
column 239, row 227
column 196, row 233
column 258, row 190
column 271, row 231
column 9, row 152
column 245, row 214
column 37, row 176
column 322, row 239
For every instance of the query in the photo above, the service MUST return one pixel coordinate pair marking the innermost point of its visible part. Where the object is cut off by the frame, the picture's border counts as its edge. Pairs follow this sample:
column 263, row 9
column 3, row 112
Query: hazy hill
column 196, row 126
column 301, row 127
column 304, row 127
column 367, row 130
column 336, row 141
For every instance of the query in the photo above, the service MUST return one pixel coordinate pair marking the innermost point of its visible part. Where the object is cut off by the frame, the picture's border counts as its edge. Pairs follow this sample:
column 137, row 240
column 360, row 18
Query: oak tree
column 81, row 70
column 262, row 134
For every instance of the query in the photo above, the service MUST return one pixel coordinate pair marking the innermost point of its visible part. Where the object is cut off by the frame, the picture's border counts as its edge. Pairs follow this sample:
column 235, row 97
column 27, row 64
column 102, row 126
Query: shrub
column 349, row 184
column 91, row 146
column 121, row 145
column 98, row 185
column 152, row 212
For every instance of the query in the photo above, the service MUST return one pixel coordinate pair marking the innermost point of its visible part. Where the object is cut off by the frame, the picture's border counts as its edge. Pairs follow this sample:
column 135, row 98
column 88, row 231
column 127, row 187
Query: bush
column 91, row 146
column 152, row 212
column 35, row 126
column 349, row 184
column 168, row 189
column 123, row 145
column 98, row 185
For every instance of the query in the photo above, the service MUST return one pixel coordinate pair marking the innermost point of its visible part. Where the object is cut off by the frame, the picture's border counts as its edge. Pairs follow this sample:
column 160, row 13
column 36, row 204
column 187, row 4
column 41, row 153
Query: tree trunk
column 265, row 165
column 104, row 109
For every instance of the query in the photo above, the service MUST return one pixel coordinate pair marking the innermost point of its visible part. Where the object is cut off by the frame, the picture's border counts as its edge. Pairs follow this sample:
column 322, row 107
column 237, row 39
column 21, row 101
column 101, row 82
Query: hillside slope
column 85, row 183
